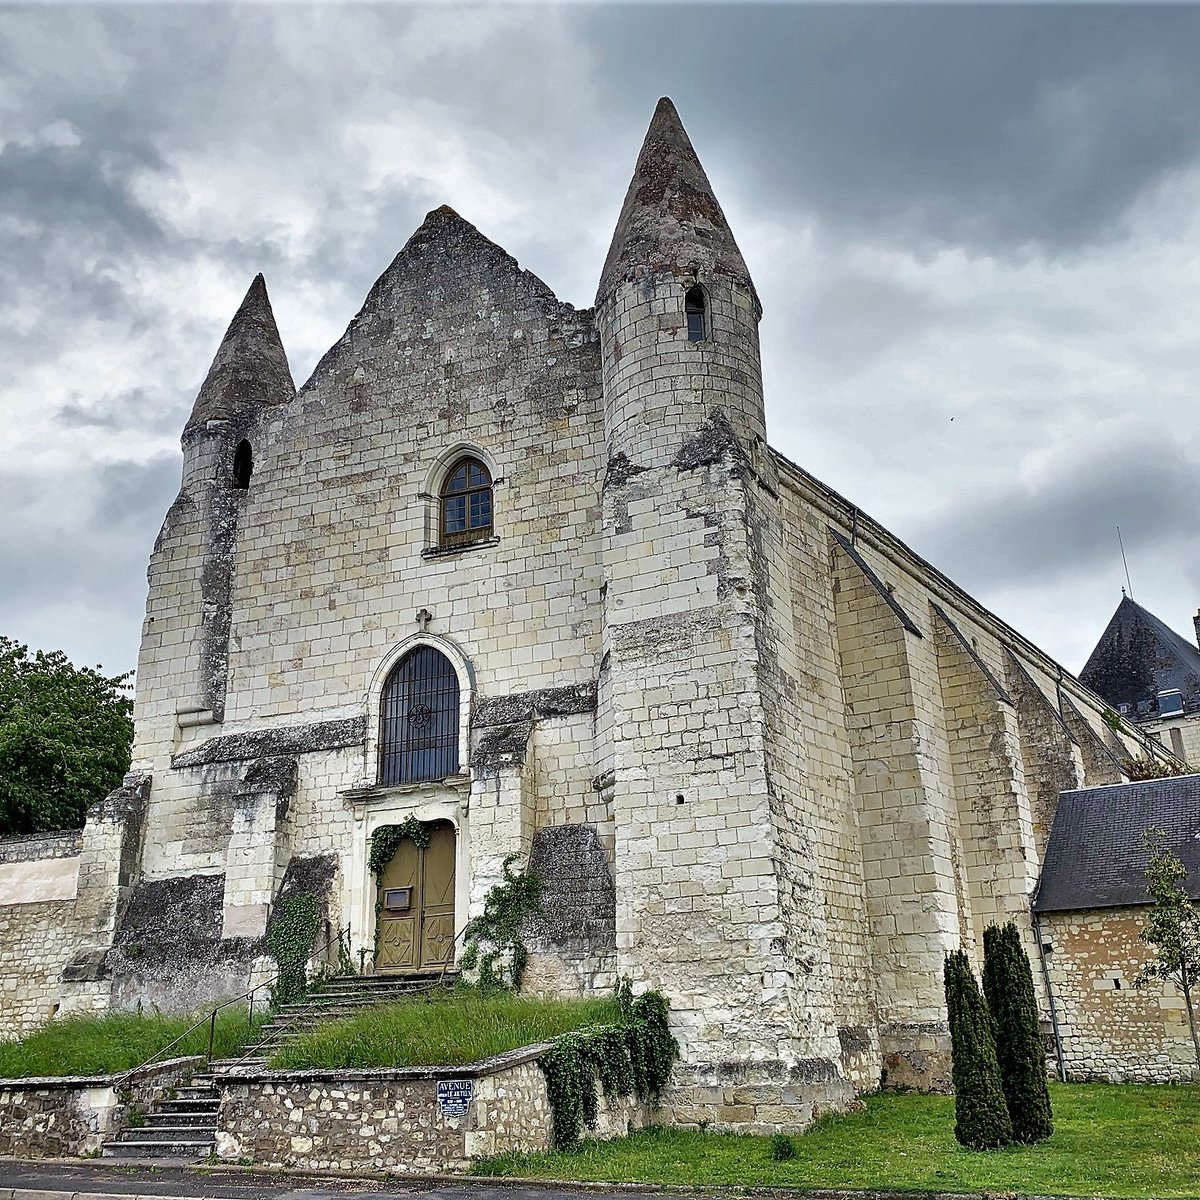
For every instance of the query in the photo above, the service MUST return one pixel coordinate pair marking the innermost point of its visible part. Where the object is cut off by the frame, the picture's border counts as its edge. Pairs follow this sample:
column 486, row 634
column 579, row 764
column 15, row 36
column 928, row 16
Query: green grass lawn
column 104, row 1045
column 1109, row 1140
column 452, row 1028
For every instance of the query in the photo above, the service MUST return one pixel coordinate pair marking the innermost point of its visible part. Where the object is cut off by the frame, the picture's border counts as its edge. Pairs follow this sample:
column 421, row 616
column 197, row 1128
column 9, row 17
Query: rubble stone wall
column 61, row 1118
column 1111, row 1030
column 391, row 1119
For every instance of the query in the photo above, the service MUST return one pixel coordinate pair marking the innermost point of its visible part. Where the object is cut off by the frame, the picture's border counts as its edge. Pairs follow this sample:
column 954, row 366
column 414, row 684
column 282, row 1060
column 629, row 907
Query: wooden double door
column 416, row 905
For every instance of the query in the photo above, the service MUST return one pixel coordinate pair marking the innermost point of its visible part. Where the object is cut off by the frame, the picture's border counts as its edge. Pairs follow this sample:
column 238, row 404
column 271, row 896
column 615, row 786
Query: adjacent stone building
column 1109, row 1024
column 532, row 577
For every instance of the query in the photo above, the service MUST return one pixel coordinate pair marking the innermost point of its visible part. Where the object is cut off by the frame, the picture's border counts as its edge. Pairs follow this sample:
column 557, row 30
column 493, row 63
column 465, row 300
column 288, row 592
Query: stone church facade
column 532, row 575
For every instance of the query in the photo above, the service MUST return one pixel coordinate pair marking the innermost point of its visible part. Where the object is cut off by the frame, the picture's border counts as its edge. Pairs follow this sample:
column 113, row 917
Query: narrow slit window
column 418, row 719
column 695, row 305
column 243, row 465
column 466, row 503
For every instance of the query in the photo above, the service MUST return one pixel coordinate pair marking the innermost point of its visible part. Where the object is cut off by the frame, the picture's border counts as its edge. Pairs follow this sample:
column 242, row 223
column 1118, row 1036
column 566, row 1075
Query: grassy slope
column 82, row 1045
column 1119, row 1141
column 461, row 1027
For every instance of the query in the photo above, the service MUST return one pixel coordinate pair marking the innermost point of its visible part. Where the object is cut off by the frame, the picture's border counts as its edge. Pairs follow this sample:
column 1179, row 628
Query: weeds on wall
column 633, row 1058
column 494, row 945
column 290, row 940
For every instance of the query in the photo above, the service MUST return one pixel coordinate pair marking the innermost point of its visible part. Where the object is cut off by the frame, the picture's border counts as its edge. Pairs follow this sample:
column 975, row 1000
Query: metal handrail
column 210, row 1019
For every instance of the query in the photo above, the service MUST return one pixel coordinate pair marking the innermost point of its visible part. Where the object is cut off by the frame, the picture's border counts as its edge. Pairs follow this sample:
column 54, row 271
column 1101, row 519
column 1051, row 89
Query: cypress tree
column 1008, row 986
column 981, row 1120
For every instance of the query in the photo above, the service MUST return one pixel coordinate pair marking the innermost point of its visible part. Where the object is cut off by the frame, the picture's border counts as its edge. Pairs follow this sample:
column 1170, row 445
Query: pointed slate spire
column 250, row 368
column 670, row 221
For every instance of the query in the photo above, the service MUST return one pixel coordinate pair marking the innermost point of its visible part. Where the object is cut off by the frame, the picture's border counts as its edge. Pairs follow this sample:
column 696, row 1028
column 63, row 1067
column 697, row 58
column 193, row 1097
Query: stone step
column 188, row 1107
column 155, row 1132
column 189, row 1148
column 159, row 1119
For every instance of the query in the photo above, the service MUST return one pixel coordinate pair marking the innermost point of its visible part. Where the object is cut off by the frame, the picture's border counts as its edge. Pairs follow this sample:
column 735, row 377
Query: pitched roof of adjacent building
column 1139, row 656
column 1096, row 856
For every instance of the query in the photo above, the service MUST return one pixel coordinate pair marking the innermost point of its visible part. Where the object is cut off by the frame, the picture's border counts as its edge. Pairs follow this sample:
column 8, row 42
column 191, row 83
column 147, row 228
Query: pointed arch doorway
column 415, row 905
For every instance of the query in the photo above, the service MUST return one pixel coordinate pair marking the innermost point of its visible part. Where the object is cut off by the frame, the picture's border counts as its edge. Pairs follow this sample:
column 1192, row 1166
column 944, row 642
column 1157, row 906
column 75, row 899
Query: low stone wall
column 1110, row 1030
column 759, row 1097
column 74, row 1115
column 916, row 1056
column 404, row 1119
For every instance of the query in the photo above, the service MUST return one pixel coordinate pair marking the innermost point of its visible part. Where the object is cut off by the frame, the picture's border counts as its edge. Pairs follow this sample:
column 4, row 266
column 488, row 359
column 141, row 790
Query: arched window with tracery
column 418, row 719
column 695, row 307
column 466, row 502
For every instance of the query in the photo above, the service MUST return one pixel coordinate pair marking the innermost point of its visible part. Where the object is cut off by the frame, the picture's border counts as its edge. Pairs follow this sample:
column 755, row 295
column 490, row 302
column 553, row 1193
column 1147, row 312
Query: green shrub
column 981, row 1120
column 782, row 1148
column 1008, row 987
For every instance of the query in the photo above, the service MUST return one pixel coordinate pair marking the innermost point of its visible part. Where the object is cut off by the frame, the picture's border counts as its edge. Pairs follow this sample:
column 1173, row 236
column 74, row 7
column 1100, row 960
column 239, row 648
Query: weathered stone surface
column 69, row 1116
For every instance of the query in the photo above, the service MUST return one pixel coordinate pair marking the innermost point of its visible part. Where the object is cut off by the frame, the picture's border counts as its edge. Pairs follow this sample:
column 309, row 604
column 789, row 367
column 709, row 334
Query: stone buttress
column 701, row 906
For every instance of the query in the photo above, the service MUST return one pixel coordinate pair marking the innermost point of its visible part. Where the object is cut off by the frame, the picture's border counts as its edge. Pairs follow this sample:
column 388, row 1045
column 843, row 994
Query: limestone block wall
column 911, row 885
column 1111, row 1030
column 995, row 826
column 36, row 941
column 809, row 761
column 572, row 940
column 1053, row 760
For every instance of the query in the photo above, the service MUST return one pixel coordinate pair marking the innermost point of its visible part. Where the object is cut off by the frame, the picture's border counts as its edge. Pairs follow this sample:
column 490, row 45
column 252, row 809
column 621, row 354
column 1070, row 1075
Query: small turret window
column 695, row 305
column 466, row 503
column 243, row 465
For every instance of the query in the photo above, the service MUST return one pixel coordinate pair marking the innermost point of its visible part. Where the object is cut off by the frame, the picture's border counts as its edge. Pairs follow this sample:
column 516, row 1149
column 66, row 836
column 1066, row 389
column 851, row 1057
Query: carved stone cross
column 424, row 616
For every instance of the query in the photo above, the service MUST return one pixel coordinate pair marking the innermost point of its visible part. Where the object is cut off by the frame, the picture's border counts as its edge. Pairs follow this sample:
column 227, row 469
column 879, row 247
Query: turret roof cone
column 250, row 368
column 670, row 221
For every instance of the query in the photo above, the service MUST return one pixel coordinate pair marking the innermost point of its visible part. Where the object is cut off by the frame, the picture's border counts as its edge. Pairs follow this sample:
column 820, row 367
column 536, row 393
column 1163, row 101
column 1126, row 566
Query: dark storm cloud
column 153, row 158
column 60, row 526
column 1066, row 525
column 993, row 126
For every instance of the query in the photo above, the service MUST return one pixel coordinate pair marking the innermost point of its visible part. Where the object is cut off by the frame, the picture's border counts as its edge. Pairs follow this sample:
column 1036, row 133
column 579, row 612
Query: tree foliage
column 65, row 736
column 1172, row 928
column 1012, row 1002
column 981, row 1120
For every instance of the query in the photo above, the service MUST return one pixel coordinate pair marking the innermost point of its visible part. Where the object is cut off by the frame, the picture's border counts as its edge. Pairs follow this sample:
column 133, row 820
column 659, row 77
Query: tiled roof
column 1096, row 856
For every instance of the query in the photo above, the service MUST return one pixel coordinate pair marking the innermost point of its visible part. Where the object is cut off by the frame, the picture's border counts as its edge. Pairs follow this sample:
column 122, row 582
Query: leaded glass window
column 466, row 503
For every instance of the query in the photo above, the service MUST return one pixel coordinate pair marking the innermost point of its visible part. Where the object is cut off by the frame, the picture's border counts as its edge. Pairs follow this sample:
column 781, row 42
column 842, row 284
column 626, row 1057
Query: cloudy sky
column 976, row 233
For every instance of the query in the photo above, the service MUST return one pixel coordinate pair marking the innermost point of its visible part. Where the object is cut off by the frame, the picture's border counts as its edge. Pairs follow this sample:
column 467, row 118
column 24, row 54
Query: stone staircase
column 340, row 996
column 183, row 1124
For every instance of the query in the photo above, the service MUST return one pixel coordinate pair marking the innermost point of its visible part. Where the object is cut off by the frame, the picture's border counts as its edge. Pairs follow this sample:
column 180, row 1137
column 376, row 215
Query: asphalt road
column 59, row 1181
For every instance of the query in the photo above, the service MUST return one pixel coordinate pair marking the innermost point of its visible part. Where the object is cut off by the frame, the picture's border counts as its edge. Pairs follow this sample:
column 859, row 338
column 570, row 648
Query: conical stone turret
column 671, row 222
column 677, row 313
column 250, row 369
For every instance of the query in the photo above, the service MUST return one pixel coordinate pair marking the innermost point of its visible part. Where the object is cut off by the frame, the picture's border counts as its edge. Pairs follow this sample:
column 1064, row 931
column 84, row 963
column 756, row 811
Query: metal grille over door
column 418, row 724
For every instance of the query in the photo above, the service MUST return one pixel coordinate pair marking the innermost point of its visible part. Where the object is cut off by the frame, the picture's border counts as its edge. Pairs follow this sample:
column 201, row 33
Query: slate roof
column 1096, row 855
column 1139, row 656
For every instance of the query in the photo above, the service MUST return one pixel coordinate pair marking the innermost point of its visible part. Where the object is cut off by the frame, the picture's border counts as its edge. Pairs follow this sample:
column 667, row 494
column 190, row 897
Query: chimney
column 1196, row 623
